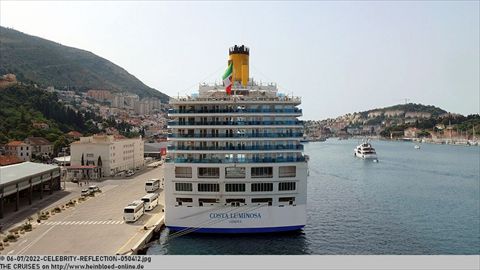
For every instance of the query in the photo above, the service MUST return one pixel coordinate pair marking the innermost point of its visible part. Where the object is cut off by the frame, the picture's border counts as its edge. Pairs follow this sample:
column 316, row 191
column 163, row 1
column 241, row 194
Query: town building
column 156, row 150
column 394, row 113
column 40, row 125
column 7, row 80
column 411, row 132
column 74, row 135
column 20, row 149
column 105, row 155
column 418, row 115
column 375, row 114
column 41, row 147
column 99, row 95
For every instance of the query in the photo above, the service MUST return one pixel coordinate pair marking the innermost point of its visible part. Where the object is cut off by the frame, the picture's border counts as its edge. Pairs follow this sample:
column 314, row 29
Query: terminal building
column 23, row 182
column 104, row 155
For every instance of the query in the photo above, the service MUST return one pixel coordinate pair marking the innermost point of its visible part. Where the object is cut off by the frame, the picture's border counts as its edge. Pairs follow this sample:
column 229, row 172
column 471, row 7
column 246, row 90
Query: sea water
column 413, row 201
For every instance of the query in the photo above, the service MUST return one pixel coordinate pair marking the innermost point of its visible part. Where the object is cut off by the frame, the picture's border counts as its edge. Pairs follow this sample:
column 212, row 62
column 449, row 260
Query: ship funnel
column 238, row 56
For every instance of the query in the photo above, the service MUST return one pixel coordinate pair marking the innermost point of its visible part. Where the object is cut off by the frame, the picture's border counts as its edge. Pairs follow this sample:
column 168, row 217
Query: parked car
column 86, row 192
column 93, row 188
column 129, row 173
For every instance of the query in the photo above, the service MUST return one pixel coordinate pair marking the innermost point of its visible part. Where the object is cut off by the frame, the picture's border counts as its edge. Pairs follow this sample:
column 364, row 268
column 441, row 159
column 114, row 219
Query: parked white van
column 152, row 185
column 150, row 201
column 133, row 211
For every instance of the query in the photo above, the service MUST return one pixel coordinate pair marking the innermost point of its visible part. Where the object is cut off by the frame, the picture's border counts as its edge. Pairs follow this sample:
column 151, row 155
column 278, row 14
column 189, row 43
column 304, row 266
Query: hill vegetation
column 24, row 106
column 410, row 107
column 34, row 59
column 399, row 117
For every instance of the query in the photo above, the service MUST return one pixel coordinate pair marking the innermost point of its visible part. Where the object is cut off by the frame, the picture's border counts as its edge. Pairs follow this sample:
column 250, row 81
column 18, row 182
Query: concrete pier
column 96, row 226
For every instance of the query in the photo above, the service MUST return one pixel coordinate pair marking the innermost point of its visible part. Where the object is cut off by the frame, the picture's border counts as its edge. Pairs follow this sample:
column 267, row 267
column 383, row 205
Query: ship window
column 287, row 171
column 183, row 186
column 184, row 200
column 232, row 187
column 236, row 200
column 282, row 186
column 208, row 200
column 204, row 187
column 235, row 172
column 183, row 172
column 262, row 200
column 262, row 172
column 180, row 201
column 290, row 200
column 259, row 187
column 209, row 172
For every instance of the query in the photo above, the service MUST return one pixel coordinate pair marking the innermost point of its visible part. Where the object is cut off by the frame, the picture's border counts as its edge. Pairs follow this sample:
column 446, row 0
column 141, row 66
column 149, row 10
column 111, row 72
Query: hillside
column 22, row 106
column 393, row 121
column 27, row 111
column 34, row 59
column 410, row 107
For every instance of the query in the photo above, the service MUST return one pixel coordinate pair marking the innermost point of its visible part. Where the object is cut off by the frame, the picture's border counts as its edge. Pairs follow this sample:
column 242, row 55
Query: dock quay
column 95, row 226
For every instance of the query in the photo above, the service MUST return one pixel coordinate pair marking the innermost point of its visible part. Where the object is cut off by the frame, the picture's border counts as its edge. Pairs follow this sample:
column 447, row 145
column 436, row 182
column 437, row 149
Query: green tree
column 59, row 144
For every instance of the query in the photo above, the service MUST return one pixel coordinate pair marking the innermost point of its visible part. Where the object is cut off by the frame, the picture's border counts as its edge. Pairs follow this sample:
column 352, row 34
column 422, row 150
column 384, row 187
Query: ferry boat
column 235, row 162
column 365, row 151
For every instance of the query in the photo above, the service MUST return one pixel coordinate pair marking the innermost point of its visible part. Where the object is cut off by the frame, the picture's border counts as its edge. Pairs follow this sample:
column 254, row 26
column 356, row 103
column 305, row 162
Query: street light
column 62, row 168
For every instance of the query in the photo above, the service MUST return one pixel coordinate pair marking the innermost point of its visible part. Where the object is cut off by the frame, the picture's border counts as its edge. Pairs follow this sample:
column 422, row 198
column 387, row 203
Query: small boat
column 416, row 146
column 365, row 151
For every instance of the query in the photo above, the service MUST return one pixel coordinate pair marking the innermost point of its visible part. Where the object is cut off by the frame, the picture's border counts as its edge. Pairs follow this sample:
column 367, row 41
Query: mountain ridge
column 410, row 107
column 49, row 63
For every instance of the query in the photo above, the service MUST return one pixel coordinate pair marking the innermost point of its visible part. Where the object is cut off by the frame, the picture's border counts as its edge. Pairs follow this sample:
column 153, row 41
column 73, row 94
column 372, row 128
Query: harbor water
column 413, row 201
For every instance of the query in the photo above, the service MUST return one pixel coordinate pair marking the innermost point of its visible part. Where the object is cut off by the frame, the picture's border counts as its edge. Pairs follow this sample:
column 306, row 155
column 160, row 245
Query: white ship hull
column 244, row 219
column 365, row 156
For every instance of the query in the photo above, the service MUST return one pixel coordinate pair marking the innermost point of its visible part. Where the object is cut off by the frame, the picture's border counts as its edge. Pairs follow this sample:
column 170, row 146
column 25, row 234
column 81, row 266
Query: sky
column 339, row 56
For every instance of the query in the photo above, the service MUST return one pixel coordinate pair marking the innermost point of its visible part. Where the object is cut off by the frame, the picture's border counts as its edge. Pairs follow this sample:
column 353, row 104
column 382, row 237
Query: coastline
column 453, row 141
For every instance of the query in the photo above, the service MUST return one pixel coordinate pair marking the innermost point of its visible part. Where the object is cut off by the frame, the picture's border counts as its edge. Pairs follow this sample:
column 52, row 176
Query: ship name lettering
column 235, row 215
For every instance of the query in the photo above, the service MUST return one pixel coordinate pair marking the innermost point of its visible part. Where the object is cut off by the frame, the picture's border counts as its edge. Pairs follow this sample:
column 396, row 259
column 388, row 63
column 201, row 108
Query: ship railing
column 240, row 135
column 236, row 98
column 236, row 123
column 171, row 111
column 245, row 160
column 237, row 148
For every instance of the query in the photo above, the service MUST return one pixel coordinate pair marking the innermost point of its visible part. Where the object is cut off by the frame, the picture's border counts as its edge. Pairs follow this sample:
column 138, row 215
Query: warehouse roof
column 15, row 172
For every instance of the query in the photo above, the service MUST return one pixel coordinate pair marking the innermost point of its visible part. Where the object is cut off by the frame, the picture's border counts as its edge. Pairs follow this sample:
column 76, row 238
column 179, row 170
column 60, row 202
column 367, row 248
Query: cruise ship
column 235, row 162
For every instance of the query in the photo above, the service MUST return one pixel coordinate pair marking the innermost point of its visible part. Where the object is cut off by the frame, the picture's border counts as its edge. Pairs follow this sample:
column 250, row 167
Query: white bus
column 133, row 211
column 150, row 200
column 152, row 185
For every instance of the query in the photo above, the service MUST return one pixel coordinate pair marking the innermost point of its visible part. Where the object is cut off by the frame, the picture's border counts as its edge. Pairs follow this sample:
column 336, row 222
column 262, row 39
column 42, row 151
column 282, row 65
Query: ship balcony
column 295, row 111
column 236, row 160
column 239, row 135
column 272, row 148
column 237, row 100
column 258, row 124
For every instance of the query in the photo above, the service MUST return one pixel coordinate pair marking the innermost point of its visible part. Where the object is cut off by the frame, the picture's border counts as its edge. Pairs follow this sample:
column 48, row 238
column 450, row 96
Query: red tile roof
column 38, row 141
column 74, row 134
column 15, row 143
column 9, row 160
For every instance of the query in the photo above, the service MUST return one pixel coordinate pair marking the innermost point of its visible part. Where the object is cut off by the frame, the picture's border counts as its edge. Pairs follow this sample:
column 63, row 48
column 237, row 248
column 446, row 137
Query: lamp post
column 62, row 169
